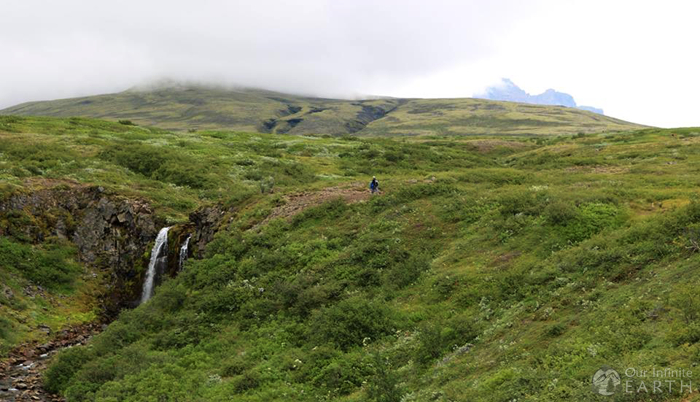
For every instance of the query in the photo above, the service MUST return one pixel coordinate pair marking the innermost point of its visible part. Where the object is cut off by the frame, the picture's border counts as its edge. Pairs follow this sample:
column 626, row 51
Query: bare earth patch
column 488, row 145
column 599, row 169
column 503, row 260
column 647, row 209
column 298, row 202
column 36, row 183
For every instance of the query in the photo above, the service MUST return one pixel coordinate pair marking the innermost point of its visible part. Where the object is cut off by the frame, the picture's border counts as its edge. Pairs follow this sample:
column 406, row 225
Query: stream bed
column 21, row 372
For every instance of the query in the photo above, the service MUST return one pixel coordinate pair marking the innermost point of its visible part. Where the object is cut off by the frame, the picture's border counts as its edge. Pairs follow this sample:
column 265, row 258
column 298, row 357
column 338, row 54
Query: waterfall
column 183, row 251
column 159, row 258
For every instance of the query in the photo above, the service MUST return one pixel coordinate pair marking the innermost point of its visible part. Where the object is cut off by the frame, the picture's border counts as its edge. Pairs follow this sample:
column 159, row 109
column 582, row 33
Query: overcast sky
column 638, row 60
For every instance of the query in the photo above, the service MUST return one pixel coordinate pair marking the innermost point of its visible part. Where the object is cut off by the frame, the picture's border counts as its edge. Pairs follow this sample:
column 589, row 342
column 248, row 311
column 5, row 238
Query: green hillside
column 207, row 108
column 488, row 269
column 478, row 117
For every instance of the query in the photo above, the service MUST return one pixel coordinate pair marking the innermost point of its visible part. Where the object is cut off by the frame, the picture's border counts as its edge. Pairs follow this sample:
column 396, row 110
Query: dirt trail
column 298, row 202
column 490, row 145
column 20, row 373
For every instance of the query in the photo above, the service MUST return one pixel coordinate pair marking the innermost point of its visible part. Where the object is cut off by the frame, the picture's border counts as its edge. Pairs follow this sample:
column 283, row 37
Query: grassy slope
column 43, row 152
column 480, row 117
column 550, row 257
column 43, row 289
column 202, row 108
column 182, row 108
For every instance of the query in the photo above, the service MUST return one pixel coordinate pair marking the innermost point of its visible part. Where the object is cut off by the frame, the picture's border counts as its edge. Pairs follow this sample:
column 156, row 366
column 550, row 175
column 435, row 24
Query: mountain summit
column 508, row 91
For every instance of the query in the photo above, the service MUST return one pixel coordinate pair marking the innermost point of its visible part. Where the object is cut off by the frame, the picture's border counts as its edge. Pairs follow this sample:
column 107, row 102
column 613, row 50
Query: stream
column 21, row 371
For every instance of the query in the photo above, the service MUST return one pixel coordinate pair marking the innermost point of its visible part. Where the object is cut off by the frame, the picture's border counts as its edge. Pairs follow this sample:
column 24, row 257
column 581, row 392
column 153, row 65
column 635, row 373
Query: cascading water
column 183, row 252
column 159, row 258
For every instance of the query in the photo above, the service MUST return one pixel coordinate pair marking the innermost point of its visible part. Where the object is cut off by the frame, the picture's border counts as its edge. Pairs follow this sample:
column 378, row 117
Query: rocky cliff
column 111, row 232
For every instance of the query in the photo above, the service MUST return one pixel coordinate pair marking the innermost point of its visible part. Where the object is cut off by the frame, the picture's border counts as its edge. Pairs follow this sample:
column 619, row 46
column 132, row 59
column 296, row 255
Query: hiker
column 374, row 185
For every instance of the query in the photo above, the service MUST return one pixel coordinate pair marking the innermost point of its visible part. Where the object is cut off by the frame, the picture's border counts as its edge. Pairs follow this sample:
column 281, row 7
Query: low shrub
column 383, row 384
column 560, row 213
column 64, row 367
column 352, row 322
column 436, row 338
column 588, row 220
column 555, row 330
column 405, row 273
column 52, row 266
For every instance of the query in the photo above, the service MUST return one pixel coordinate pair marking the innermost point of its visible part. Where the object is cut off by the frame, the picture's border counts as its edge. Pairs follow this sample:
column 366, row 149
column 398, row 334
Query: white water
column 156, row 260
column 183, row 251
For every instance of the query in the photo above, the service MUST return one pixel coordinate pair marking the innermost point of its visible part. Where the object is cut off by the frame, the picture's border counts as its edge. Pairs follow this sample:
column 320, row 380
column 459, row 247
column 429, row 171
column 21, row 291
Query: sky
column 637, row 60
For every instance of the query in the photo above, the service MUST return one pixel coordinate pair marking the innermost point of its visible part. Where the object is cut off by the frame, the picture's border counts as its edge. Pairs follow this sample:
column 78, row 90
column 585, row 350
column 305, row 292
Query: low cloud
column 633, row 58
column 328, row 48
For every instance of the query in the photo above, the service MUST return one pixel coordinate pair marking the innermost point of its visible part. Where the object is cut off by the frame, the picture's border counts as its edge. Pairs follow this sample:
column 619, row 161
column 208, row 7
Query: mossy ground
column 44, row 289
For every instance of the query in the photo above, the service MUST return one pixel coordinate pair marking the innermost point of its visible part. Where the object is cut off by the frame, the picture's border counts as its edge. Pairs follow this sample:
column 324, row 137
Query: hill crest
column 185, row 106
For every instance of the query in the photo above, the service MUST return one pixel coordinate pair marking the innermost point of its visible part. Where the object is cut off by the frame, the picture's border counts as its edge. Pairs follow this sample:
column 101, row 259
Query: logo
column 654, row 380
column 605, row 381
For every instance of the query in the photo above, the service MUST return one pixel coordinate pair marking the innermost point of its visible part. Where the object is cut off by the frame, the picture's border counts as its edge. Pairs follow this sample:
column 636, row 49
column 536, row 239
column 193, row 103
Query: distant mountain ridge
column 181, row 107
column 508, row 91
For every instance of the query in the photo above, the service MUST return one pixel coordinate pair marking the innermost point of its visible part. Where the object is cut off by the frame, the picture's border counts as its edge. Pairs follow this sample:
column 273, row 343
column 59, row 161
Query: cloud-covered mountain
column 508, row 91
column 182, row 106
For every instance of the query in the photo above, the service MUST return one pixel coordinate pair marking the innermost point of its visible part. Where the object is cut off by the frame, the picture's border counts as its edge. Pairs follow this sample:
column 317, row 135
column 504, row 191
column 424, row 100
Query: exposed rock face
column 110, row 232
column 105, row 226
column 206, row 222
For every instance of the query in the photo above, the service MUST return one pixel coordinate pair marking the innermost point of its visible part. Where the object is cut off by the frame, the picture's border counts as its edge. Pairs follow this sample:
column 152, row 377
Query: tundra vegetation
column 490, row 268
column 197, row 107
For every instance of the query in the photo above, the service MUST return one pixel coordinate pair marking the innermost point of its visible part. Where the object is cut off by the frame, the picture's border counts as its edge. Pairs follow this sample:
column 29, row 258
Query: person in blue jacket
column 374, row 185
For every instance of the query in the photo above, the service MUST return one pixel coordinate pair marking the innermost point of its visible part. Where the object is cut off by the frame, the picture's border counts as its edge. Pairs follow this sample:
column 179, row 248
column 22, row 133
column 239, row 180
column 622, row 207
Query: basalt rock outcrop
column 205, row 222
column 111, row 232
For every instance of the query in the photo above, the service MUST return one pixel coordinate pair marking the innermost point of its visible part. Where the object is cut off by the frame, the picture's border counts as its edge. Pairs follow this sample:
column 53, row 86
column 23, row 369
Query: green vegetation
column 53, row 267
column 481, row 117
column 191, row 108
column 31, row 277
column 488, row 269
